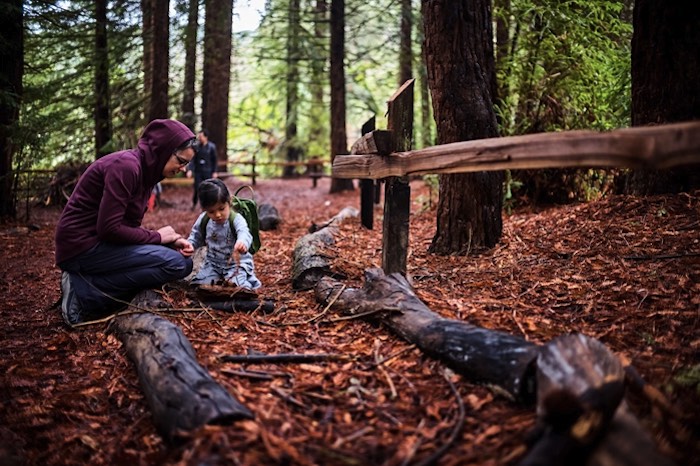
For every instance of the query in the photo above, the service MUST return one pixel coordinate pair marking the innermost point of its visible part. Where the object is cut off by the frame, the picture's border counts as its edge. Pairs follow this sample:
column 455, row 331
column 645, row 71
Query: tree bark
column 217, row 73
column 665, row 84
column 181, row 394
column 461, row 74
column 11, row 71
column 103, row 122
column 339, row 144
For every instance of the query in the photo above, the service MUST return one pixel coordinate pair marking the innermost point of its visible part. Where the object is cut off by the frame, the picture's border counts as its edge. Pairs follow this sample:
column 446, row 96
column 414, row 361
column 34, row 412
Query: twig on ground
column 366, row 314
column 284, row 358
column 322, row 313
column 459, row 424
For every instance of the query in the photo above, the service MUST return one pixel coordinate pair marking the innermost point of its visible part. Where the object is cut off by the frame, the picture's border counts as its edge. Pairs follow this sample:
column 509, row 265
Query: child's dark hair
column 211, row 192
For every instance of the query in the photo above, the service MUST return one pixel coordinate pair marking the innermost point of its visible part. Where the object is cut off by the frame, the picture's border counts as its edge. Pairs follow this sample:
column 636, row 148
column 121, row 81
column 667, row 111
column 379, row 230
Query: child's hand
column 184, row 246
column 240, row 247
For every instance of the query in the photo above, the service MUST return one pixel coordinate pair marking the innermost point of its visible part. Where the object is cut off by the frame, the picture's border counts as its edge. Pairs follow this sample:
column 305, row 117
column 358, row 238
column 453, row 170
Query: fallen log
column 231, row 298
column 268, row 217
column 310, row 262
column 582, row 416
column 181, row 394
column 481, row 355
column 579, row 383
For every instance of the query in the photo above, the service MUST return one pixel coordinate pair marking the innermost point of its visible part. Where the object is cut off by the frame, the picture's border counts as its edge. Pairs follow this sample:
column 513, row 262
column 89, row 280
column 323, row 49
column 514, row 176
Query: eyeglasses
column 180, row 160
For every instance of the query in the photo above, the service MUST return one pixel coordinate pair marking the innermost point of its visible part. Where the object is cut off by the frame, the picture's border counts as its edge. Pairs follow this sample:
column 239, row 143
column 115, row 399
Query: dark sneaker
column 70, row 308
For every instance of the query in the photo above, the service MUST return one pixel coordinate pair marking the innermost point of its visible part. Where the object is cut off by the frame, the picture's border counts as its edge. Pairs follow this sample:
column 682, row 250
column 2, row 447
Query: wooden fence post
column 397, row 194
column 367, row 188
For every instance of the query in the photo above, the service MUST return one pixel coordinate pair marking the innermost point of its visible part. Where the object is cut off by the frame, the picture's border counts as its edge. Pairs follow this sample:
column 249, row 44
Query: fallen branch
column 283, row 358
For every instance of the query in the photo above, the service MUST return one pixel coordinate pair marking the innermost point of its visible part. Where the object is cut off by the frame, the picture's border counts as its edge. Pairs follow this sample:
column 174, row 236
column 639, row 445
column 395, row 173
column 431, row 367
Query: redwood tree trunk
column 665, row 84
column 158, row 107
column 188, row 115
column 339, row 144
column 103, row 123
column 12, row 59
column 461, row 77
column 217, row 72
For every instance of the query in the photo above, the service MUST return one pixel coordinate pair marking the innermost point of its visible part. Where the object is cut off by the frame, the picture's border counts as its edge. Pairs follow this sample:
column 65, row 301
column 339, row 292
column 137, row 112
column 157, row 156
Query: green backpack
column 249, row 210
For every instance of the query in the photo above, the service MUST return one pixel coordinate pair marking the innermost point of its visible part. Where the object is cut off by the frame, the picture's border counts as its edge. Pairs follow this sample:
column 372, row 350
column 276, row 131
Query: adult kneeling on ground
column 107, row 257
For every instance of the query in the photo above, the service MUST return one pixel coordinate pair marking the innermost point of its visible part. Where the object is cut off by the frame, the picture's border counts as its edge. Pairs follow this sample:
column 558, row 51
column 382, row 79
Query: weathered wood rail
column 654, row 147
column 386, row 154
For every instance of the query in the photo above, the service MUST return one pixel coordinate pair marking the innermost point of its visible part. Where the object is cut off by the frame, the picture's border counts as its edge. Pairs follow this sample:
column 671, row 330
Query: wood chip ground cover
column 624, row 270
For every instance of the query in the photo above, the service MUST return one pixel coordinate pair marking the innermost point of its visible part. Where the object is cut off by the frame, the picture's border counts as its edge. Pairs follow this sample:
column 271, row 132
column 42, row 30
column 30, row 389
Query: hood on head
column 157, row 144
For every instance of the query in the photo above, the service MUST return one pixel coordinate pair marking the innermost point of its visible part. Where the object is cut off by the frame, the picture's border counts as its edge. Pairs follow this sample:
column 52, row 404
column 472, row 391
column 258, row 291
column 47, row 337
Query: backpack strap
column 205, row 221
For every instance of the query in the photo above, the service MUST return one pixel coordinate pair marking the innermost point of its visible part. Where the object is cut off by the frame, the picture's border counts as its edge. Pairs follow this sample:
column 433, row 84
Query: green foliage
column 568, row 67
column 689, row 377
column 260, row 69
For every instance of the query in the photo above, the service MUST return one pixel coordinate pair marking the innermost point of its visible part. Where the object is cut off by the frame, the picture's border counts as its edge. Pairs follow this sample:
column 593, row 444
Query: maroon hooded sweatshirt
column 111, row 197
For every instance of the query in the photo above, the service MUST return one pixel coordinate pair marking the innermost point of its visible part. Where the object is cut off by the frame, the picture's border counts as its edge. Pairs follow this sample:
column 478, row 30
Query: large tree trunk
column 188, row 115
column 665, row 84
column 11, row 71
column 103, row 122
column 292, row 147
column 181, row 394
column 217, row 73
column 339, row 143
column 459, row 57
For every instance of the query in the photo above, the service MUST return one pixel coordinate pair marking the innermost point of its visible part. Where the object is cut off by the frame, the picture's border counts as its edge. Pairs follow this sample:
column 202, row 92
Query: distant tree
column 190, row 38
column 11, row 71
column 405, row 49
column 161, row 49
column 292, row 147
column 461, row 74
column 217, row 72
column 318, row 132
column 339, row 143
column 665, row 82
column 425, row 130
column 103, row 116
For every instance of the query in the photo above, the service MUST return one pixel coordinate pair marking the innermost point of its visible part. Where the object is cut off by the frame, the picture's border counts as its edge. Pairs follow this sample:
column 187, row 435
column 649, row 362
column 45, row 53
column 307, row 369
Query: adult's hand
column 168, row 235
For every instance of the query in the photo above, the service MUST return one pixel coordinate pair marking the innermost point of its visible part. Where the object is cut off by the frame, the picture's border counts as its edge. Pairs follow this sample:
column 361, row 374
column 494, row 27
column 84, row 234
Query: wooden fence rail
column 657, row 147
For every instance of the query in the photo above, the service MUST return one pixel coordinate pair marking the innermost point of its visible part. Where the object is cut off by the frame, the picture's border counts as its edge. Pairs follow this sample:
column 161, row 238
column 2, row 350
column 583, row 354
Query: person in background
column 225, row 233
column 203, row 165
column 105, row 254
